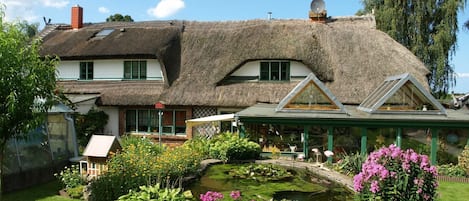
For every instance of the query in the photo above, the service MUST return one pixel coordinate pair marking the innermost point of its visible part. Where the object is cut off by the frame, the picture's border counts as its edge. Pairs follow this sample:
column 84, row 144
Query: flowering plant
column 393, row 174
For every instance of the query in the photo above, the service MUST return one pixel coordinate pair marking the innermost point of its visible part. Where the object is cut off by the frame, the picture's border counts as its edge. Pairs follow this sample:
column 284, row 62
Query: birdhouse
column 97, row 153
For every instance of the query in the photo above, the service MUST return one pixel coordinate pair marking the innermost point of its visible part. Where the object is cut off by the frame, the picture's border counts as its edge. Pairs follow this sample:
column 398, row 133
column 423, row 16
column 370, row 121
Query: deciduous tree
column 27, row 83
column 119, row 18
column 427, row 28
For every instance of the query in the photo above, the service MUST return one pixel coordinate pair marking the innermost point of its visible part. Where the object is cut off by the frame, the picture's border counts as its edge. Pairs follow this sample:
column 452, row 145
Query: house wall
column 106, row 70
column 112, row 125
column 85, row 106
column 252, row 68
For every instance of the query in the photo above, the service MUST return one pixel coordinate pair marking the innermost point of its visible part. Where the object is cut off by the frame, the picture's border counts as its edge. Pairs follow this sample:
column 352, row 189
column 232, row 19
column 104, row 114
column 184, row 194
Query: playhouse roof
column 101, row 145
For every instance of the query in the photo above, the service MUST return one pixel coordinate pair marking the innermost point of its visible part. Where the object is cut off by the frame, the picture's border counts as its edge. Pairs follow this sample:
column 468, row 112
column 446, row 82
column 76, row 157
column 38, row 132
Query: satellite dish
column 318, row 6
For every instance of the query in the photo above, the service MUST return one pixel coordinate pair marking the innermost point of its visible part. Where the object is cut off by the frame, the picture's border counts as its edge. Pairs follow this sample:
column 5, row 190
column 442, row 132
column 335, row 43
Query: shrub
column 463, row 159
column 228, row 147
column 76, row 192
column 89, row 124
column 451, row 170
column 70, row 177
column 147, row 193
column 111, row 186
column 351, row 164
column 177, row 162
column 393, row 174
column 200, row 145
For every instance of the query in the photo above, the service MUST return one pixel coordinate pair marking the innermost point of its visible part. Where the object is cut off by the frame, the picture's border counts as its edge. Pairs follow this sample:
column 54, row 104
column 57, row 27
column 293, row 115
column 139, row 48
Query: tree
column 427, row 28
column 119, row 18
column 27, row 83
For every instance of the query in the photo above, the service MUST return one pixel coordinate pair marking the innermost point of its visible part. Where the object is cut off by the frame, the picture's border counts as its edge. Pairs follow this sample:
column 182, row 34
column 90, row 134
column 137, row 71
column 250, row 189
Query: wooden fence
column 453, row 179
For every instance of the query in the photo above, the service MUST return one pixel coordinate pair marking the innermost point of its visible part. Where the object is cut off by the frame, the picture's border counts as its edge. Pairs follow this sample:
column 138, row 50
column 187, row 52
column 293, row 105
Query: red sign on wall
column 159, row 105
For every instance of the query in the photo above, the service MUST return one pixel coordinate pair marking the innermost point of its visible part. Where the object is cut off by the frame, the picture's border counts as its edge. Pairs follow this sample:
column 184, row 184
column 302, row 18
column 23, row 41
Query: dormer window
column 135, row 70
column 86, row 70
column 275, row 71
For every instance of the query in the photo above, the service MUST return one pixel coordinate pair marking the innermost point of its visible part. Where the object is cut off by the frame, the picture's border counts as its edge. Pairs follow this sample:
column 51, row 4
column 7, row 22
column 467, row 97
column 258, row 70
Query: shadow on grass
column 43, row 192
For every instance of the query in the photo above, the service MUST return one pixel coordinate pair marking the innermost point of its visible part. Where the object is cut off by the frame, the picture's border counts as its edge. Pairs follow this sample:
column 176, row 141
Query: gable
column 401, row 93
column 310, row 95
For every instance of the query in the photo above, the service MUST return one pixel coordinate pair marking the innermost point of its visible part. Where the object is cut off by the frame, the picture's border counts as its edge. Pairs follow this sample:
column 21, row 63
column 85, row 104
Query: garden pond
column 263, row 182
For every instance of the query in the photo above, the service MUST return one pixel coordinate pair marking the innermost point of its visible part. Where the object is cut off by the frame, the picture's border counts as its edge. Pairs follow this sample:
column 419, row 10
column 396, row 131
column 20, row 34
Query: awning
column 203, row 120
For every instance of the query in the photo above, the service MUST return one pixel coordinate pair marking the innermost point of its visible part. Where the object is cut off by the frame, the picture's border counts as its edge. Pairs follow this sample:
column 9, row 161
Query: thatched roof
column 129, row 93
column 348, row 54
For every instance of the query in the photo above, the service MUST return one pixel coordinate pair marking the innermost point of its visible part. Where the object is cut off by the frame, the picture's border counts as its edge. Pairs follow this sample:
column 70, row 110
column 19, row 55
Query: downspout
column 74, row 133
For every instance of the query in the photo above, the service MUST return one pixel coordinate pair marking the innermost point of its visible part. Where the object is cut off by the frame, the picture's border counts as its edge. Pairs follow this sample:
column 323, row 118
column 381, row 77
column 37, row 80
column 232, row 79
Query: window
column 172, row 122
column 275, row 71
column 135, row 70
column 86, row 70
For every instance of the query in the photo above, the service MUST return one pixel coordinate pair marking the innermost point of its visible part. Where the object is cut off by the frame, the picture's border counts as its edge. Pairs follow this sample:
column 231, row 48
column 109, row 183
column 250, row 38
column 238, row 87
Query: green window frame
column 135, row 70
column 86, row 70
column 274, row 71
column 146, row 121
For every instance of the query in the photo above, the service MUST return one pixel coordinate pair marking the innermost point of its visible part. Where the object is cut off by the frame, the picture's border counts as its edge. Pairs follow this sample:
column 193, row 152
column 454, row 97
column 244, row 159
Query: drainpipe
column 74, row 133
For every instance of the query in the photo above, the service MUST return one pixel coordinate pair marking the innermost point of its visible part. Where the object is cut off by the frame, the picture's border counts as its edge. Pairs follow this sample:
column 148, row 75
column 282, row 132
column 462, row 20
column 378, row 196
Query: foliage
column 463, row 159
column 71, row 177
column 451, row 170
column 89, row 124
column 393, row 174
column 27, row 83
column 141, row 163
column 76, row 192
column 155, row 193
column 177, row 162
column 427, row 28
column 261, row 173
column 119, row 18
column 228, row 147
column 200, row 145
column 351, row 164
column 112, row 186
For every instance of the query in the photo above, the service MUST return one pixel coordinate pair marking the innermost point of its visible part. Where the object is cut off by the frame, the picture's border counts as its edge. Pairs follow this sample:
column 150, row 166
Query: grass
column 45, row 192
column 452, row 191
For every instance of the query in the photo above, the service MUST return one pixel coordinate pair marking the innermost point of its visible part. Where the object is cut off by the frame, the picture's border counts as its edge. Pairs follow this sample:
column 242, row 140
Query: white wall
column 106, row 70
column 112, row 126
column 252, row 68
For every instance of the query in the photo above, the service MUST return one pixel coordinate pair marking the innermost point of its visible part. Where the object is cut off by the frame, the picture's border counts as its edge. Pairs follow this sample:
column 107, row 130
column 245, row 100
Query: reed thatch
column 348, row 54
column 112, row 93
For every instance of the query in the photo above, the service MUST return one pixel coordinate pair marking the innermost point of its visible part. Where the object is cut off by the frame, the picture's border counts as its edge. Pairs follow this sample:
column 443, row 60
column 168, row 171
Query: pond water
column 302, row 186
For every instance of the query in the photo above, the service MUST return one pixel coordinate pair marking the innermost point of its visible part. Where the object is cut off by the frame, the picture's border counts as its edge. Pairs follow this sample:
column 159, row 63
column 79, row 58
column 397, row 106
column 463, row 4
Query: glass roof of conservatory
column 401, row 94
column 310, row 95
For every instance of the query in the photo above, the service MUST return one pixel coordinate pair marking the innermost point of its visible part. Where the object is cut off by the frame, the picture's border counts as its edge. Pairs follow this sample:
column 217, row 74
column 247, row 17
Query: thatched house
column 199, row 69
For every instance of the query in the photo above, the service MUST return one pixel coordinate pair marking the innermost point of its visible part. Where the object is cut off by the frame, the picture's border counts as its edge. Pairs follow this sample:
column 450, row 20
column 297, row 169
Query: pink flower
column 374, row 187
column 235, row 195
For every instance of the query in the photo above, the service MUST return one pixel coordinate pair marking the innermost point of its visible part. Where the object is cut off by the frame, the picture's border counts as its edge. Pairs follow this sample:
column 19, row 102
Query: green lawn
column 44, row 192
column 448, row 191
column 452, row 191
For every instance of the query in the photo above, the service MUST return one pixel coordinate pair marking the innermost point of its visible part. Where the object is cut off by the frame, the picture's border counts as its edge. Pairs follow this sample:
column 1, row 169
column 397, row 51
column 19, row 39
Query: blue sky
column 206, row 10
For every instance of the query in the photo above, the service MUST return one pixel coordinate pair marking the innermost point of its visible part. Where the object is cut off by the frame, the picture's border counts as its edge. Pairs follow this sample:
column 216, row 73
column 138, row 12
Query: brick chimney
column 77, row 17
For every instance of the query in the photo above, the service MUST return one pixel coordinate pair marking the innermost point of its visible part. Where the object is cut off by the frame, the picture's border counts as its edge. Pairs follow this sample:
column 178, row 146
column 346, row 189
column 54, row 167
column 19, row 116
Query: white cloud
column 103, row 10
column 463, row 75
column 166, row 8
column 55, row 3
column 25, row 9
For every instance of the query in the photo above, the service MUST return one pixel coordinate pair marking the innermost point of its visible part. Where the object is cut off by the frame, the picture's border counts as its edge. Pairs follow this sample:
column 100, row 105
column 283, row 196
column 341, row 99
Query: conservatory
column 400, row 111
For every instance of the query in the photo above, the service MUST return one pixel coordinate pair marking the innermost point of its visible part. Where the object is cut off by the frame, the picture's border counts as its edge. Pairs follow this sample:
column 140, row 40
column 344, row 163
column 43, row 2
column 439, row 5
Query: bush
column 393, row 174
column 351, row 164
column 111, row 186
column 261, row 173
column 70, row 177
column 89, row 124
column 176, row 163
column 463, row 159
column 451, row 170
column 228, row 147
column 157, row 193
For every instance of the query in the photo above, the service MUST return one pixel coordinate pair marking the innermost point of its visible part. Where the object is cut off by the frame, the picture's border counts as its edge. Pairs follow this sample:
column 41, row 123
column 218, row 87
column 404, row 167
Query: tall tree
column 428, row 28
column 119, row 18
column 27, row 83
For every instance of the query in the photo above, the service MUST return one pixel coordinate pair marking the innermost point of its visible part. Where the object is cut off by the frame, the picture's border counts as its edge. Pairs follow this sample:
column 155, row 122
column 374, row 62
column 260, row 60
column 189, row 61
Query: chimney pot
column 77, row 17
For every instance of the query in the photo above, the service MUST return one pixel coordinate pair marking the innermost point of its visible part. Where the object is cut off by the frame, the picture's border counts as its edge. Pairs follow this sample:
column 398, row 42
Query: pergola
column 399, row 102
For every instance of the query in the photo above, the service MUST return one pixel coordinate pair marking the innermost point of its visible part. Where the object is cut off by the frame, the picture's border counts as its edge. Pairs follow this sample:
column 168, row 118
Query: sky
column 94, row 11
